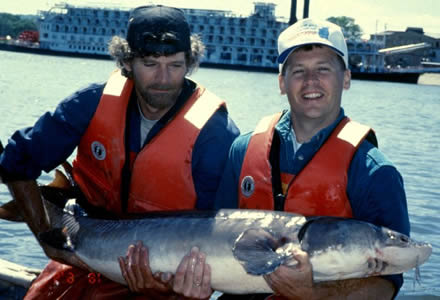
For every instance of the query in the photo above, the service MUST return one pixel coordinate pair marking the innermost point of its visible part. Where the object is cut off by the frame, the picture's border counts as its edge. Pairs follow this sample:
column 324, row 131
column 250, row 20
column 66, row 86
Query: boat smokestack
column 293, row 18
column 306, row 9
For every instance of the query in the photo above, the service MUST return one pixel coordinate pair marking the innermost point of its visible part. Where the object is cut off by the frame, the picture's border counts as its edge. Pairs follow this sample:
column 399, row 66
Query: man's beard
column 160, row 100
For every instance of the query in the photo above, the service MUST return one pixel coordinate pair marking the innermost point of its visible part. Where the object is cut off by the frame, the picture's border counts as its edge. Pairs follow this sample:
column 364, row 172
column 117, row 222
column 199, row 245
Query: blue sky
column 371, row 15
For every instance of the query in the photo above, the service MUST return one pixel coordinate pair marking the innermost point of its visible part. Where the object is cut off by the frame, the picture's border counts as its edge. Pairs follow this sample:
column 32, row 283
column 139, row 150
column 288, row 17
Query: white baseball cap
column 307, row 32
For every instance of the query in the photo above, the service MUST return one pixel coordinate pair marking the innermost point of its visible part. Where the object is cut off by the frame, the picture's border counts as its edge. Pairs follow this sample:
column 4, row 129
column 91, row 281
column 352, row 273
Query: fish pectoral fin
column 256, row 249
column 56, row 238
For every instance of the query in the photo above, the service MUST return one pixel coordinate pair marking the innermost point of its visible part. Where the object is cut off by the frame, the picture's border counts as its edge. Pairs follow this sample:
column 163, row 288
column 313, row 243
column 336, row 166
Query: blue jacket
column 375, row 187
column 55, row 136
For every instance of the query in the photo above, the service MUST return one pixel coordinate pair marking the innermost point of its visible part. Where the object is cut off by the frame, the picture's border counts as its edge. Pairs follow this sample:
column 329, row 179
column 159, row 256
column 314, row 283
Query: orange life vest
column 319, row 189
column 161, row 175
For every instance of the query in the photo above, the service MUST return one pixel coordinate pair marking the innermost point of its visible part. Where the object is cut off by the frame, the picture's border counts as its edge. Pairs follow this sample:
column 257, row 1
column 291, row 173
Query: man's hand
column 293, row 282
column 192, row 278
column 137, row 273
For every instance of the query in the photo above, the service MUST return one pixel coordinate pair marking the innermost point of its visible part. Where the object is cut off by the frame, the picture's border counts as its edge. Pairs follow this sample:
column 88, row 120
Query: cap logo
column 247, row 186
column 323, row 32
column 312, row 29
column 98, row 150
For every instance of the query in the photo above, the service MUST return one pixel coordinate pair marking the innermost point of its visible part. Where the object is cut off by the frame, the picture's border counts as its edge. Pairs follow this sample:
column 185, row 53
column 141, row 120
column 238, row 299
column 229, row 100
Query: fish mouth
column 426, row 253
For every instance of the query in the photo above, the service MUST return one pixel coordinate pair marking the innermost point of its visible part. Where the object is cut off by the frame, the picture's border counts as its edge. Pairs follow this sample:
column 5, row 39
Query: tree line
column 13, row 25
column 350, row 29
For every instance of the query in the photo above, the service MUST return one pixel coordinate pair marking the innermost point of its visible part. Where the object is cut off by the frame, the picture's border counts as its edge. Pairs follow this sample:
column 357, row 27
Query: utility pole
column 293, row 18
column 306, row 9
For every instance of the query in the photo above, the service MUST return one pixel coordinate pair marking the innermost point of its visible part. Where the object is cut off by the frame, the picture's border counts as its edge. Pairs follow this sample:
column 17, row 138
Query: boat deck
column 15, row 280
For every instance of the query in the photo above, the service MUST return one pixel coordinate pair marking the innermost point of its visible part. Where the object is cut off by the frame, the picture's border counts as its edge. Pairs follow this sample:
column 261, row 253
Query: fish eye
column 391, row 235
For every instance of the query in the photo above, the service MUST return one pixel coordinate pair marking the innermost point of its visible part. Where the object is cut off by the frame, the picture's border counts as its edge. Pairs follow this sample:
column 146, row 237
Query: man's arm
column 358, row 289
column 227, row 193
column 210, row 156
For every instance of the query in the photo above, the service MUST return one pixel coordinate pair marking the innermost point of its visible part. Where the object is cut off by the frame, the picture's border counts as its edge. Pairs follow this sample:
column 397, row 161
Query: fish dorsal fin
column 256, row 250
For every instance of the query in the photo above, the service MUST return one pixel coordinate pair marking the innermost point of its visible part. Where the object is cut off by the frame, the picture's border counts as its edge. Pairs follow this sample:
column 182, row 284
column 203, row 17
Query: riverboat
column 230, row 40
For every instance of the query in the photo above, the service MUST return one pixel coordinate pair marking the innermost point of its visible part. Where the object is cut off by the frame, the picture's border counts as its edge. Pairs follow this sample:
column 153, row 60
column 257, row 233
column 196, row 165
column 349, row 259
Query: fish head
column 347, row 248
column 400, row 252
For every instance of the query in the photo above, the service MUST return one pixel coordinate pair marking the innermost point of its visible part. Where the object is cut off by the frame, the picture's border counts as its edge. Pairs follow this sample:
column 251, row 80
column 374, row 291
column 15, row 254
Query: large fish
column 241, row 245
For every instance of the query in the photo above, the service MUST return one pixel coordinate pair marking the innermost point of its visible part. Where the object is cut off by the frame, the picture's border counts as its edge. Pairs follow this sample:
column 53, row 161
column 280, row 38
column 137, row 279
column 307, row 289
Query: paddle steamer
column 230, row 39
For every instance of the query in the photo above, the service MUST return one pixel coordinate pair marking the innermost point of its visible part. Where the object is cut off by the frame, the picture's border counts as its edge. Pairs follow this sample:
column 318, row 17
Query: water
column 405, row 118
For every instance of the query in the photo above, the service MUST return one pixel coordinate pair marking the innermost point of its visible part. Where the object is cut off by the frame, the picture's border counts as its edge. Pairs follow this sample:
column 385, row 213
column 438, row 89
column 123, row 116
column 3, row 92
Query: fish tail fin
column 10, row 211
column 260, row 252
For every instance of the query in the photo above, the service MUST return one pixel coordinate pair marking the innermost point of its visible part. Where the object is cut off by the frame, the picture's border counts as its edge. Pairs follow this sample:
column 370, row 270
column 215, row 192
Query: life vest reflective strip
column 320, row 188
column 162, row 174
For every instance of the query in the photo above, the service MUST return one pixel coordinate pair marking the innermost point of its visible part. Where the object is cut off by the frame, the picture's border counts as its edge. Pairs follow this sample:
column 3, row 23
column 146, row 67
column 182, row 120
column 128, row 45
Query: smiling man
column 313, row 160
column 150, row 139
